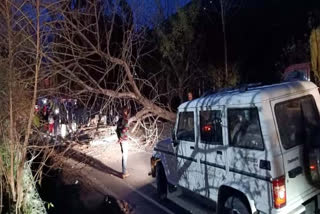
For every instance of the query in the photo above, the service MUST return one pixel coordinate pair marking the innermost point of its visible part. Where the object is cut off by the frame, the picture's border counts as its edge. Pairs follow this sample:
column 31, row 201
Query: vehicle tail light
column 279, row 192
column 312, row 161
column 313, row 167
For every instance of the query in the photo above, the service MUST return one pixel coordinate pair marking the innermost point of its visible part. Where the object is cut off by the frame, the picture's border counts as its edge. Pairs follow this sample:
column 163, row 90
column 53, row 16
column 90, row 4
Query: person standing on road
column 122, row 130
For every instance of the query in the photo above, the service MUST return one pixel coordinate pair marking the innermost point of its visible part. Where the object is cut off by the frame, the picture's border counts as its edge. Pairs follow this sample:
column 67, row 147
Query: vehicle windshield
column 298, row 121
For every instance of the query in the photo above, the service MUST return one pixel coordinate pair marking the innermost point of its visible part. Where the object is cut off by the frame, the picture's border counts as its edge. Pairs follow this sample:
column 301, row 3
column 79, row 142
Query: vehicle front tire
column 162, row 184
column 235, row 205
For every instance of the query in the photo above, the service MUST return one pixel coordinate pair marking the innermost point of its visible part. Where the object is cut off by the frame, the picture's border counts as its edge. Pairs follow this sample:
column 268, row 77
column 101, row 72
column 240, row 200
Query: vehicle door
column 297, row 121
column 248, row 163
column 186, row 149
column 212, row 150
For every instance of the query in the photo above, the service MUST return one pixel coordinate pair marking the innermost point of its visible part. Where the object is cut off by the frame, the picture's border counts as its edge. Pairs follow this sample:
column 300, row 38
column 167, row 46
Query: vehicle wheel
column 161, row 180
column 235, row 205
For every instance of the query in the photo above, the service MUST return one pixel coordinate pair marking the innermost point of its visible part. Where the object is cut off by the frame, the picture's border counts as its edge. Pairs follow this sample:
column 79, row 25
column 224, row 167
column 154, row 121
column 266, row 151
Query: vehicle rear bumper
column 300, row 205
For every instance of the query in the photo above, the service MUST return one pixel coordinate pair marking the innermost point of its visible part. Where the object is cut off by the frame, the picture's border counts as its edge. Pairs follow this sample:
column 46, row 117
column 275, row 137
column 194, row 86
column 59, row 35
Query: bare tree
column 91, row 51
column 98, row 49
column 21, row 50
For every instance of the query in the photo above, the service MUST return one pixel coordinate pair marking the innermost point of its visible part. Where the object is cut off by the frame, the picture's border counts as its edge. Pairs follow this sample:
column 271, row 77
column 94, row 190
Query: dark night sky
column 257, row 31
column 146, row 10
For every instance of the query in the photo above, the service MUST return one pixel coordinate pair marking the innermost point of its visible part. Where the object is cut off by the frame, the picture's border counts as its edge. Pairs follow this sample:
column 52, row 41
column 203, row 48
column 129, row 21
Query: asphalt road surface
column 138, row 189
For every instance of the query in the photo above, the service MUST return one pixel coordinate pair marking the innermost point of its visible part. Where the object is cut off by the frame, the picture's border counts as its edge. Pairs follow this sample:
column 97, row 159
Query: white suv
column 248, row 149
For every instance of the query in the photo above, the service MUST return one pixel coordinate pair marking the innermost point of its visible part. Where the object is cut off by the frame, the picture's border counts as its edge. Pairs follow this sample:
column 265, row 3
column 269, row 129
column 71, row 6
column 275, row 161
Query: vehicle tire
column 162, row 184
column 235, row 205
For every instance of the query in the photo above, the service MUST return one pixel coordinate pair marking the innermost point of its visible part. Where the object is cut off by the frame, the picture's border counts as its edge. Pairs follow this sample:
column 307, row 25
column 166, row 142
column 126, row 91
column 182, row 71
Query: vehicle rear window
column 186, row 126
column 298, row 121
column 244, row 128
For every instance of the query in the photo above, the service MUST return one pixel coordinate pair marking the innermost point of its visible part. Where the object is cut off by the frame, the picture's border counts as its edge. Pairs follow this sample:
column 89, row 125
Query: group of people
column 55, row 116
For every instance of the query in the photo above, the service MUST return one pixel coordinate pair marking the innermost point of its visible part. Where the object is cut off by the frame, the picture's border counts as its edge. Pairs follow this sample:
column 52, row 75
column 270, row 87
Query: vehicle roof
column 251, row 95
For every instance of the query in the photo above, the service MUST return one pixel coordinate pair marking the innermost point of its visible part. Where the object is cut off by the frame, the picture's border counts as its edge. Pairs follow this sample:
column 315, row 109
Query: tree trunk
column 224, row 41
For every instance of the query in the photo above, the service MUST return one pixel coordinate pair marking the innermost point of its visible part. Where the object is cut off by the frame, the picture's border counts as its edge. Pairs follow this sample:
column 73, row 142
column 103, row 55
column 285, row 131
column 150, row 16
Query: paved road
column 138, row 189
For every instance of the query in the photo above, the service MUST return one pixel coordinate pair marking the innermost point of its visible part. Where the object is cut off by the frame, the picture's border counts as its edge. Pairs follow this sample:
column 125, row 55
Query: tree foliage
column 179, row 46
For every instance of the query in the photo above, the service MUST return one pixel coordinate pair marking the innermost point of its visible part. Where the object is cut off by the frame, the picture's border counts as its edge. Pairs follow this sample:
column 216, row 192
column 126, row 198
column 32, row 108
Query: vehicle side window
column 210, row 127
column 298, row 121
column 244, row 128
column 186, row 127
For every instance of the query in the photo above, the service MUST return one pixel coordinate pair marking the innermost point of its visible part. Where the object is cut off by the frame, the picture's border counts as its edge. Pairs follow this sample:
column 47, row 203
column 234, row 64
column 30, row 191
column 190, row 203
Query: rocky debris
column 104, row 136
column 93, row 136
column 103, row 140
column 117, row 206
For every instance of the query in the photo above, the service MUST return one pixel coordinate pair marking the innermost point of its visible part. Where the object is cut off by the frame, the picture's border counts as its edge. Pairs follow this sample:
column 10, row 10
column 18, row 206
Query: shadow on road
column 92, row 162
column 75, row 198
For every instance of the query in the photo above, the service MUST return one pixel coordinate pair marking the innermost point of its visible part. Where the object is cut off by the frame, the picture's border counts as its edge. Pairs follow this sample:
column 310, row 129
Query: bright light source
column 74, row 126
column 207, row 128
column 312, row 167
column 45, row 101
column 56, row 111
column 63, row 130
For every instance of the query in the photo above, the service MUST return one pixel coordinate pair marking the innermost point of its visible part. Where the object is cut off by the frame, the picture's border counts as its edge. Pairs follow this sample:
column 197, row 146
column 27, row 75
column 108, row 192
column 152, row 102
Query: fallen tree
column 98, row 50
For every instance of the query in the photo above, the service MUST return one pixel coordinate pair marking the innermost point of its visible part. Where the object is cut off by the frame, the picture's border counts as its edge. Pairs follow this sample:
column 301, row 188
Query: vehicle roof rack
column 241, row 88
column 245, row 87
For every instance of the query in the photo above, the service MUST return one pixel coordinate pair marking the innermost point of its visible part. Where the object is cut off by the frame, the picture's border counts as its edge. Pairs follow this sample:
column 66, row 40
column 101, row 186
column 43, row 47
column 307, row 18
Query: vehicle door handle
column 294, row 172
column 191, row 147
column 219, row 152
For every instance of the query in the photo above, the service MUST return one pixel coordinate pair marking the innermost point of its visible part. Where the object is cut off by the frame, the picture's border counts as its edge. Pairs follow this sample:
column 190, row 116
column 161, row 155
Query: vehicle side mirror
column 174, row 138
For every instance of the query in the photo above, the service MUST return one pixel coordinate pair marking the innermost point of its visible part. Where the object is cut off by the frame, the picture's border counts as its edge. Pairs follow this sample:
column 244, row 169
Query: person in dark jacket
column 122, row 131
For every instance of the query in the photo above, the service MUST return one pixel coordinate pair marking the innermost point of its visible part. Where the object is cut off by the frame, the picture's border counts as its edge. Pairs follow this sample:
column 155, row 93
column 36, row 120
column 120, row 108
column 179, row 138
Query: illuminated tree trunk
column 315, row 52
